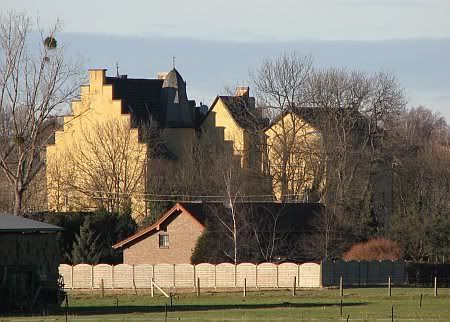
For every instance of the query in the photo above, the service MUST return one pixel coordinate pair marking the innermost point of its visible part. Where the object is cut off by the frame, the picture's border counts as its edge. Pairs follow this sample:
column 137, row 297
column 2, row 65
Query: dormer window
column 163, row 241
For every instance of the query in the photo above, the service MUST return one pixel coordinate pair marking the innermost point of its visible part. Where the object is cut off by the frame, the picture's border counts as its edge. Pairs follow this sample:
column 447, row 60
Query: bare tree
column 34, row 84
column 421, row 181
column 352, row 110
column 270, row 231
column 106, row 167
column 281, row 86
column 325, row 240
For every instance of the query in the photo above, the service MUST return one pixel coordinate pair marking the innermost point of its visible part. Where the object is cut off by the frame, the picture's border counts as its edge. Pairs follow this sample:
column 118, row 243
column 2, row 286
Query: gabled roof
column 140, row 97
column 307, row 114
column 291, row 216
column 11, row 223
column 178, row 208
column 294, row 217
column 240, row 110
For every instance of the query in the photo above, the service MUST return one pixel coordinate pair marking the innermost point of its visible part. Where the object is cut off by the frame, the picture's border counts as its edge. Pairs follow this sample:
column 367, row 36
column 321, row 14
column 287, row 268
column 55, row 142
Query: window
column 163, row 241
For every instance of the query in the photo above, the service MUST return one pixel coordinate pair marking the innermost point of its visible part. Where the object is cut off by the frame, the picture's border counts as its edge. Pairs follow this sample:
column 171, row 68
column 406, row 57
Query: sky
column 216, row 43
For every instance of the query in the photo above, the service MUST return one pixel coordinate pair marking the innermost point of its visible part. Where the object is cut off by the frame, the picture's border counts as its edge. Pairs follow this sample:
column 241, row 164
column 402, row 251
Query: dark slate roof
column 11, row 223
column 240, row 109
column 140, row 97
column 173, row 79
column 197, row 210
column 292, row 216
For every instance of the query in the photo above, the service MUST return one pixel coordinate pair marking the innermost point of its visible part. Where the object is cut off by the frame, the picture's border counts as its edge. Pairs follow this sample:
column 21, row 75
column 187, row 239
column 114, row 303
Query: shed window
column 163, row 241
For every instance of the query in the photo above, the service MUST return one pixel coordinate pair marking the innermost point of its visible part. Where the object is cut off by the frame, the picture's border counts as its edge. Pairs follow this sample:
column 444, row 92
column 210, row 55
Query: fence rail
column 225, row 275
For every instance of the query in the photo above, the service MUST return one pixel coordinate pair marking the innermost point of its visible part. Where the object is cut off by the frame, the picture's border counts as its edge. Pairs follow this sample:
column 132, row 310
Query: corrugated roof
column 12, row 223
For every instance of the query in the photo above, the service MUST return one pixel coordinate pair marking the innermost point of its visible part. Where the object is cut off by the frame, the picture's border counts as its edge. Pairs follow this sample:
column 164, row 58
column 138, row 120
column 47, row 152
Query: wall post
column 277, row 277
column 256, row 275
column 92, row 276
column 112, row 276
column 174, row 276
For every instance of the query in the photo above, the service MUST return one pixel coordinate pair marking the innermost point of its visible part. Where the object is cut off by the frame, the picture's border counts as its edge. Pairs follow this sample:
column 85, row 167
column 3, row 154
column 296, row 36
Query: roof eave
column 156, row 226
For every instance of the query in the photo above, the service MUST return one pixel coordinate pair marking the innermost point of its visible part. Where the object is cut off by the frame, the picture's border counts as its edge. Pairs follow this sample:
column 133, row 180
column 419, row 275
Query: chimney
column 162, row 75
column 243, row 91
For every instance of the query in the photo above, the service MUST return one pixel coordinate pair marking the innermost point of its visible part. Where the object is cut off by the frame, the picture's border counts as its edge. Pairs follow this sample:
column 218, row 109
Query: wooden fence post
column 435, row 286
column 389, row 286
column 245, row 287
column 294, row 286
column 152, row 288
column 341, row 286
column 134, row 282
column 198, row 286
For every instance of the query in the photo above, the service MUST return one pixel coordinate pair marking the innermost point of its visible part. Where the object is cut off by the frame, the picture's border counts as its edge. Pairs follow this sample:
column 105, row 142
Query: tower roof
column 173, row 79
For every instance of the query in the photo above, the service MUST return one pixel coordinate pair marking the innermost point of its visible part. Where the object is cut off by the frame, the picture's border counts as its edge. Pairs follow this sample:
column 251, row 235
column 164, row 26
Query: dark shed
column 29, row 260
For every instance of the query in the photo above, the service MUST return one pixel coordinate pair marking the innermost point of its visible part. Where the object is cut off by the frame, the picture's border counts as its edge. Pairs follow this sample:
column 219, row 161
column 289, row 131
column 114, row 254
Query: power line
column 126, row 194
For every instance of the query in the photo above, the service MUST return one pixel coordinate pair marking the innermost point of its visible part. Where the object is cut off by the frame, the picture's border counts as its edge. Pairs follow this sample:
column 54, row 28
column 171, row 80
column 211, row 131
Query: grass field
column 360, row 304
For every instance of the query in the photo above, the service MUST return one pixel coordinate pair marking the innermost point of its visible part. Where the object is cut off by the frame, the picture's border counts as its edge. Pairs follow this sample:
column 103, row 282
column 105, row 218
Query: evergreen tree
column 87, row 246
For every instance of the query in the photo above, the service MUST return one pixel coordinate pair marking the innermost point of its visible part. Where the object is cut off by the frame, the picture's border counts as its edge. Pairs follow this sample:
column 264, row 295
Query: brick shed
column 29, row 260
column 171, row 239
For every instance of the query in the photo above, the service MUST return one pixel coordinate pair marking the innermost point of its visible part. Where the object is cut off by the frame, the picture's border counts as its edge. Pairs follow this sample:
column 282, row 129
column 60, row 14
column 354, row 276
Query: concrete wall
column 183, row 232
column 225, row 275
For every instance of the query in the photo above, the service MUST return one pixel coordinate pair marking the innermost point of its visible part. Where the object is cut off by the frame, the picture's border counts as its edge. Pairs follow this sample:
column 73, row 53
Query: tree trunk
column 18, row 199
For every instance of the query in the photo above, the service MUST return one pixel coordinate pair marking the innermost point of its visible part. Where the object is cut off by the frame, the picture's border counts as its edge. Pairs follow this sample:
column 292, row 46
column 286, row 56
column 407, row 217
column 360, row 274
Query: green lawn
column 362, row 304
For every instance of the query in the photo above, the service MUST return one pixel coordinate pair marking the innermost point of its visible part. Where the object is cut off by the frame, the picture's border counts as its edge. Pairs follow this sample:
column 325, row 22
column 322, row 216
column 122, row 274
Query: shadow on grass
column 100, row 310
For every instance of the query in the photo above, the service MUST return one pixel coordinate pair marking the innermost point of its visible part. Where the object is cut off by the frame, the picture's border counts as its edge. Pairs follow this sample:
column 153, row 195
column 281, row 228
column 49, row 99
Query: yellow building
column 101, row 154
column 236, row 122
column 293, row 158
column 120, row 128
column 104, row 150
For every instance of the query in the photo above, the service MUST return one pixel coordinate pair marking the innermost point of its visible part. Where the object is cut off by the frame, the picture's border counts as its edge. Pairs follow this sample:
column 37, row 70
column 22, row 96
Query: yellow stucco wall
column 220, row 127
column 293, row 157
column 96, row 107
column 180, row 142
column 94, row 113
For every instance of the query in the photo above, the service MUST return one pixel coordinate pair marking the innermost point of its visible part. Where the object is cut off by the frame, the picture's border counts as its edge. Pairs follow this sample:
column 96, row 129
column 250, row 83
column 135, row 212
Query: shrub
column 109, row 227
column 375, row 249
